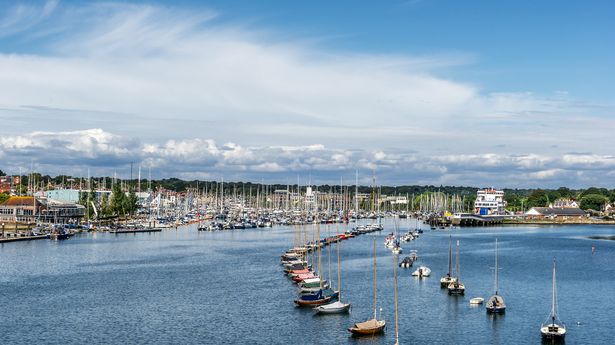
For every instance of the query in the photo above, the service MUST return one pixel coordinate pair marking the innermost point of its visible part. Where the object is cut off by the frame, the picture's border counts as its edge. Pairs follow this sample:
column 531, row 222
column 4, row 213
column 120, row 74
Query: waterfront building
column 20, row 209
column 489, row 201
column 555, row 213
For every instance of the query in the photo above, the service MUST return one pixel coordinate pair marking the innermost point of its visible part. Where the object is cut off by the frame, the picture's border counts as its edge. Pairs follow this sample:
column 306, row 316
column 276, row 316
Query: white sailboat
column 337, row 307
column 457, row 287
column 495, row 304
column 448, row 278
column 554, row 329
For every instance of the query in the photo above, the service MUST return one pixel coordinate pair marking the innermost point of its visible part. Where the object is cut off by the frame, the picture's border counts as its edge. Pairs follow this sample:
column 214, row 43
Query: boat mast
column 457, row 268
column 319, row 261
column 329, row 256
column 396, row 309
column 553, row 296
column 496, row 266
column 339, row 280
column 356, row 197
column 375, row 278
column 450, row 255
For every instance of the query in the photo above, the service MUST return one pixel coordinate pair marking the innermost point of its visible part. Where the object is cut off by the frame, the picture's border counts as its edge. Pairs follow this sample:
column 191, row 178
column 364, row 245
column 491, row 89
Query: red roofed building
column 21, row 209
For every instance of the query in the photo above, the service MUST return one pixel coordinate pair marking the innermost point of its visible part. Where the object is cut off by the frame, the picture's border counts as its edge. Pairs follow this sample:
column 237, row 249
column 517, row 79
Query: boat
column 554, row 329
column 477, row 300
column 319, row 297
column 313, row 299
column 372, row 326
column 406, row 262
column 396, row 250
column 495, row 304
column 422, row 271
column 448, row 279
column 337, row 307
column 456, row 287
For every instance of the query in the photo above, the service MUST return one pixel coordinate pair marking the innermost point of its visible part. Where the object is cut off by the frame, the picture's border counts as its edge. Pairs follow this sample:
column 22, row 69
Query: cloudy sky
column 483, row 93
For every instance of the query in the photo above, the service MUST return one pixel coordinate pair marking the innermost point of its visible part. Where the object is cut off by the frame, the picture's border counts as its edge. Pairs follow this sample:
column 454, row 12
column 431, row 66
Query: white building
column 489, row 201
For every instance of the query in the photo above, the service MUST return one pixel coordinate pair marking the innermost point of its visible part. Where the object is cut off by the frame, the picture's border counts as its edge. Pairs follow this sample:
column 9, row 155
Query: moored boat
column 554, row 329
column 495, row 304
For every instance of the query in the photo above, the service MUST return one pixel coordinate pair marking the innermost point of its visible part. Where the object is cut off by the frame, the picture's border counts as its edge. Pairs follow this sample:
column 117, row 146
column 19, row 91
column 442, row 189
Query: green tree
column 537, row 198
column 593, row 202
column 105, row 209
column 4, row 197
column 2, row 173
column 131, row 202
column 117, row 200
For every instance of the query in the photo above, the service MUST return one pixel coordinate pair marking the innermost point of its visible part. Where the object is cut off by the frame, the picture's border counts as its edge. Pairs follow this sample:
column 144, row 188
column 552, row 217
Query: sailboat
column 373, row 326
column 551, row 330
column 320, row 296
column 337, row 307
column 456, row 287
column 448, row 279
column 496, row 304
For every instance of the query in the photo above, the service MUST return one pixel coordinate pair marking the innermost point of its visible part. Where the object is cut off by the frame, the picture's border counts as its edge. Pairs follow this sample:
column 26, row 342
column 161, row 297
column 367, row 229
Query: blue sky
column 509, row 94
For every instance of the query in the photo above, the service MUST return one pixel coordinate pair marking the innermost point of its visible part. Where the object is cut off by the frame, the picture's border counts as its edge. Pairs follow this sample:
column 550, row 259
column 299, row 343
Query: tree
column 537, row 198
column 105, row 209
column 593, row 202
column 2, row 173
column 4, row 197
column 118, row 200
column 131, row 202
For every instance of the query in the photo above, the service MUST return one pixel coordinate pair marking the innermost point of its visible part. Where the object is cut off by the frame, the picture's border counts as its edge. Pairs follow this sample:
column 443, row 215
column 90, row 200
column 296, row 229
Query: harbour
column 167, row 287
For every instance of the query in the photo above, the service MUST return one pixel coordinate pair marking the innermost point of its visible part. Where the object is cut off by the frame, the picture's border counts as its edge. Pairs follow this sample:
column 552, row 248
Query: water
column 190, row 287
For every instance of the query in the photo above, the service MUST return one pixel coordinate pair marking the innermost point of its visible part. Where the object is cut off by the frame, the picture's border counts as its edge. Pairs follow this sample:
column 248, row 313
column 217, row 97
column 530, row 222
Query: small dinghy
column 422, row 271
column 477, row 300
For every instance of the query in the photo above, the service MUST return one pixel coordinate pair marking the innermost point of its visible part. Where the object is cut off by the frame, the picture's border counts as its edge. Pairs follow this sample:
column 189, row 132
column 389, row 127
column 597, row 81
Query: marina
column 155, row 287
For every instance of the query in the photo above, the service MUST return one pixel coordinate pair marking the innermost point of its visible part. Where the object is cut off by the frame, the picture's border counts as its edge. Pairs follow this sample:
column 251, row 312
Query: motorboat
column 422, row 271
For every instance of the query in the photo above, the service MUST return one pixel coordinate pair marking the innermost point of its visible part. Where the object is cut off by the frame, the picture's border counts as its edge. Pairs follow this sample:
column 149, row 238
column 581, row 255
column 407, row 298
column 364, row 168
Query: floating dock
column 134, row 231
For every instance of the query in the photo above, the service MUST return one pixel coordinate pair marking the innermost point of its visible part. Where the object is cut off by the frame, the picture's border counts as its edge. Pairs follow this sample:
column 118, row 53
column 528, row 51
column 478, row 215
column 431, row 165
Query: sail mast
column 339, row 280
column 374, row 278
column 457, row 266
column 496, row 266
column 396, row 309
column 450, row 255
column 553, row 295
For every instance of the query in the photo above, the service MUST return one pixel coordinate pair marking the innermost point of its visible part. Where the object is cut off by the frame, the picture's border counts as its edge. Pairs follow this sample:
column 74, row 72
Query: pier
column 468, row 219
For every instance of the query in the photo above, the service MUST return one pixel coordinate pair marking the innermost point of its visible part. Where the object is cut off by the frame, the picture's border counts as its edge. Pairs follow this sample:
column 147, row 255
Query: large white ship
column 489, row 201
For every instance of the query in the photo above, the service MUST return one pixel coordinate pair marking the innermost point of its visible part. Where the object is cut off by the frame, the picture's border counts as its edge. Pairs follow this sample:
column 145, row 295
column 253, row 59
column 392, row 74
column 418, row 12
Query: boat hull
column 342, row 309
column 304, row 303
column 363, row 332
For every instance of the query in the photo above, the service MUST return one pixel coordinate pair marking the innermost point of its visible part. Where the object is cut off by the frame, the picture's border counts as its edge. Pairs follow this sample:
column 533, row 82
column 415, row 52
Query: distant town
column 28, row 202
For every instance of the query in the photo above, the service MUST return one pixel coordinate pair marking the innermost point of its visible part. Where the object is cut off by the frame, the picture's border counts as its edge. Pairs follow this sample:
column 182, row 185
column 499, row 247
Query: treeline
column 592, row 198
column 518, row 199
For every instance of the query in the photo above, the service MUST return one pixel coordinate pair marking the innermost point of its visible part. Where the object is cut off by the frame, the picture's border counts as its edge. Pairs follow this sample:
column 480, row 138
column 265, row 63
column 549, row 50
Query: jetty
column 469, row 219
column 133, row 231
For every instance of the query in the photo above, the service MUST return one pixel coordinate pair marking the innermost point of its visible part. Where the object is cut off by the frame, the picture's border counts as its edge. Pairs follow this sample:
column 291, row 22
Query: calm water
column 186, row 287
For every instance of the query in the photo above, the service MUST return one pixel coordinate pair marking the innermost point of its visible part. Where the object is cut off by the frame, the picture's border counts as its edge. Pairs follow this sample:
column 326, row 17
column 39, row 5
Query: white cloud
column 165, row 86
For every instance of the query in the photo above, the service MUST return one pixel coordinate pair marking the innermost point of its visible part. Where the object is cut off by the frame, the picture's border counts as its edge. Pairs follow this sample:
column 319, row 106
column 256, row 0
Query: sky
column 481, row 93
